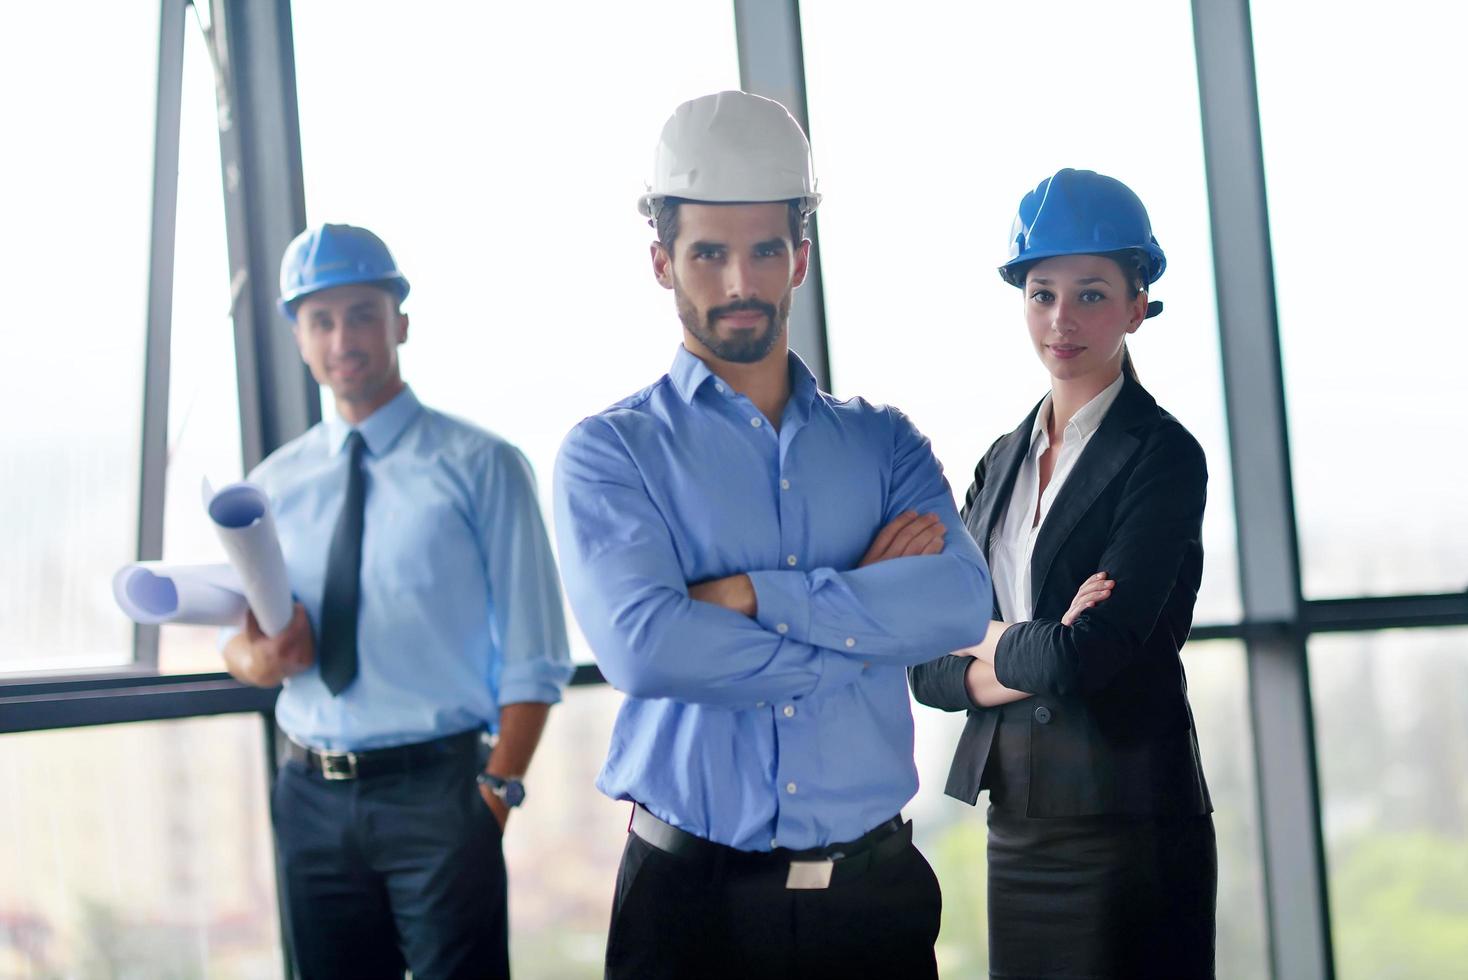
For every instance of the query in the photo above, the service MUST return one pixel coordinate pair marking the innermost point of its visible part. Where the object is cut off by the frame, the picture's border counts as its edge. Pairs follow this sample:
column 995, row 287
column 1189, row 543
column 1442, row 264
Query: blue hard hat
column 1080, row 212
column 336, row 255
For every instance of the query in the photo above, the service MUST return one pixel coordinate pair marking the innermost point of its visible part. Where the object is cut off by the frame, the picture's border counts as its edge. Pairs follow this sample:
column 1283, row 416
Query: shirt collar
column 1085, row 422
column 380, row 429
column 688, row 374
column 803, row 389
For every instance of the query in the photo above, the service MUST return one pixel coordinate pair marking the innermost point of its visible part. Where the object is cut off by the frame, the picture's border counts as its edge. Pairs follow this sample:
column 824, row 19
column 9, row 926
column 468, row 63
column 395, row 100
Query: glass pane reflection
column 78, row 114
column 1391, row 728
column 138, row 851
column 203, row 399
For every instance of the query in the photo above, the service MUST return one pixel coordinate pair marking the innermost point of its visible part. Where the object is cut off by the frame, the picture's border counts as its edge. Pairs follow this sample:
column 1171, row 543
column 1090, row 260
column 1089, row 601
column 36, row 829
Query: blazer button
column 1042, row 715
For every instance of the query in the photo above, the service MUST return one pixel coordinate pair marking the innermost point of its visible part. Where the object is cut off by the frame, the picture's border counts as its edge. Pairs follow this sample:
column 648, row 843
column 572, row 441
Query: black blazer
column 1109, row 727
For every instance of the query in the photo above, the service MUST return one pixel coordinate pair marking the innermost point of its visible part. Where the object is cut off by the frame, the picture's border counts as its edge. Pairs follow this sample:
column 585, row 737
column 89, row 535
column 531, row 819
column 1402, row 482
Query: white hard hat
column 731, row 147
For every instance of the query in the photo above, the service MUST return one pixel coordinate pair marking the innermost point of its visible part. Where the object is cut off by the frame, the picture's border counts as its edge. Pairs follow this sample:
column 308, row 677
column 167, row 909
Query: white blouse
column 1014, row 542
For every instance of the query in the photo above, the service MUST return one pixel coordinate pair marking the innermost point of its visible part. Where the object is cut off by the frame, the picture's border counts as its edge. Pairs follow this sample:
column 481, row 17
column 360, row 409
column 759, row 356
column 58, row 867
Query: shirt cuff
column 782, row 601
column 540, row 683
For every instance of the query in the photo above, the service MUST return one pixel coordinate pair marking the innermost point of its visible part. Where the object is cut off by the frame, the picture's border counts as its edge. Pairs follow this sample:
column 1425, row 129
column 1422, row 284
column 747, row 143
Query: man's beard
column 746, row 348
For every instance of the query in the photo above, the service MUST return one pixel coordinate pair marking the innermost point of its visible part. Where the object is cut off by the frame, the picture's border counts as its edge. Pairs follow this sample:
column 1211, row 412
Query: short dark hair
column 666, row 221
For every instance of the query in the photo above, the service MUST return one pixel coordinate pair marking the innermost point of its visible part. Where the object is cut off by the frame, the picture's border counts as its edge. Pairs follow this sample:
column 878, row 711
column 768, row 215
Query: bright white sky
column 499, row 149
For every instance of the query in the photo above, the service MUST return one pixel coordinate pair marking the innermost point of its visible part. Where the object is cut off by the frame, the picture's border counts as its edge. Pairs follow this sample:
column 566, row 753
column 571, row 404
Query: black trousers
column 1091, row 898
column 676, row 918
column 402, row 870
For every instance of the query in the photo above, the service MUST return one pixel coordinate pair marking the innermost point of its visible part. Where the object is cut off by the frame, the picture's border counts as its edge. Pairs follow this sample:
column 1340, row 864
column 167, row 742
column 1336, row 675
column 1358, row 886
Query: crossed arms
column 759, row 635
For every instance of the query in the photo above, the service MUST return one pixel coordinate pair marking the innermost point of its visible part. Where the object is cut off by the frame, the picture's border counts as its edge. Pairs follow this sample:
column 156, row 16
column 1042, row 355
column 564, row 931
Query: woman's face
column 1079, row 311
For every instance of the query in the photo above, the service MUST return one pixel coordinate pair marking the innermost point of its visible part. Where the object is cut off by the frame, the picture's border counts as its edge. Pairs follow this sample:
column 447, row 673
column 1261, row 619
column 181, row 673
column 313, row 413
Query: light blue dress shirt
column 460, row 610
column 792, row 729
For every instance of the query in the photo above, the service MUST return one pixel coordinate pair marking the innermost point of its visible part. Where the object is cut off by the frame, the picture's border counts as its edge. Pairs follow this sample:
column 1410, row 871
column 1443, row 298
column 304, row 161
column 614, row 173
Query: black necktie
column 338, row 654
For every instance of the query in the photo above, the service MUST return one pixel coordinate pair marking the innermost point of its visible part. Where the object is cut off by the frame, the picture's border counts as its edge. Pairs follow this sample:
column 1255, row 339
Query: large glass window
column 501, row 160
column 563, row 850
column 1391, row 736
column 76, row 200
column 953, row 836
column 928, row 127
column 203, row 399
column 137, row 851
column 1365, row 213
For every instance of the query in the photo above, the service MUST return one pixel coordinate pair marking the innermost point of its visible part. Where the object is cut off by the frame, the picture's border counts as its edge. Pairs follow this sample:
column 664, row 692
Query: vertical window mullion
column 772, row 64
column 1279, row 680
column 160, row 304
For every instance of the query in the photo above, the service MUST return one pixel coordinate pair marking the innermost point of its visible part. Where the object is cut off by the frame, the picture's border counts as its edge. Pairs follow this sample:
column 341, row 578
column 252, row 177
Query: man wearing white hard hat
column 429, row 615
column 755, row 564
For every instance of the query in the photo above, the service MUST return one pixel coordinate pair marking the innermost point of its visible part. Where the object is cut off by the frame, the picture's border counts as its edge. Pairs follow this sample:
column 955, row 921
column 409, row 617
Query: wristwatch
column 509, row 789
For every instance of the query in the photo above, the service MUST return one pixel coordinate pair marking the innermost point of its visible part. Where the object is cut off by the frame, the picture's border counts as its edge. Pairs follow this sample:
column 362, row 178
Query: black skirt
column 1093, row 897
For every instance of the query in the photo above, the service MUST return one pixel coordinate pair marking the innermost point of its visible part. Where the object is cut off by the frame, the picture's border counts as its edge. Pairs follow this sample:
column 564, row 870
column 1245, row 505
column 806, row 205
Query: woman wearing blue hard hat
column 1102, row 861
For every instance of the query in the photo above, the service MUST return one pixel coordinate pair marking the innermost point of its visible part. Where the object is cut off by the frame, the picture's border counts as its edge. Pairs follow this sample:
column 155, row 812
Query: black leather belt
column 817, row 868
column 375, row 762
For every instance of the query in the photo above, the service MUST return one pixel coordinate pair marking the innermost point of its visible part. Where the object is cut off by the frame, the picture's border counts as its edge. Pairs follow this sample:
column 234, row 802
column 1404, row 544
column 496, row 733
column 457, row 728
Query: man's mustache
column 743, row 306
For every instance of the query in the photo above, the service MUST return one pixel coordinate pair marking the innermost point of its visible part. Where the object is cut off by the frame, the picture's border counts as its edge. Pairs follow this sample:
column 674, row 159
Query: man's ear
column 402, row 328
column 662, row 265
column 802, row 263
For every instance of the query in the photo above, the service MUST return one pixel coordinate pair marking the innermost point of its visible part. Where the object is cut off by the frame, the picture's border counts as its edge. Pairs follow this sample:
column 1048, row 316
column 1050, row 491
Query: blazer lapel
column 1104, row 456
column 989, row 506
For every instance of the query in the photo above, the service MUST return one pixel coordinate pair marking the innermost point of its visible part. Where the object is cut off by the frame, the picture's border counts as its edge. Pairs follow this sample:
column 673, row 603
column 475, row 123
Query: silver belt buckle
column 338, row 765
column 810, row 874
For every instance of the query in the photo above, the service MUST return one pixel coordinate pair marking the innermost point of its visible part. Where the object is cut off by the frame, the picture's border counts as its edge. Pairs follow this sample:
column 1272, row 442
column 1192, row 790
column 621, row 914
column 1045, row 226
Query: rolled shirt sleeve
column 524, row 588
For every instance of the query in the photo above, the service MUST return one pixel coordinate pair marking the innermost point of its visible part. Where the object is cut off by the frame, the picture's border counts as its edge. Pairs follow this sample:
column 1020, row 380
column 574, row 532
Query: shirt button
column 1042, row 715
column 774, row 843
column 790, row 788
column 789, row 711
column 782, row 628
column 719, row 388
column 850, row 642
column 756, row 422
column 790, row 559
column 759, row 704
column 784, row 484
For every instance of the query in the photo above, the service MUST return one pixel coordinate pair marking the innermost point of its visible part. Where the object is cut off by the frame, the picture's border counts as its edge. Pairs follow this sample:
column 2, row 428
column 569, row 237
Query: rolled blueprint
column 151, row 592
column 241, row 515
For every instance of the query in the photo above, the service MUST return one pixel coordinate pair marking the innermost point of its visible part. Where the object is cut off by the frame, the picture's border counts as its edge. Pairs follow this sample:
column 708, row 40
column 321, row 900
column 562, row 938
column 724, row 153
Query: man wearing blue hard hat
column 428, row 617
